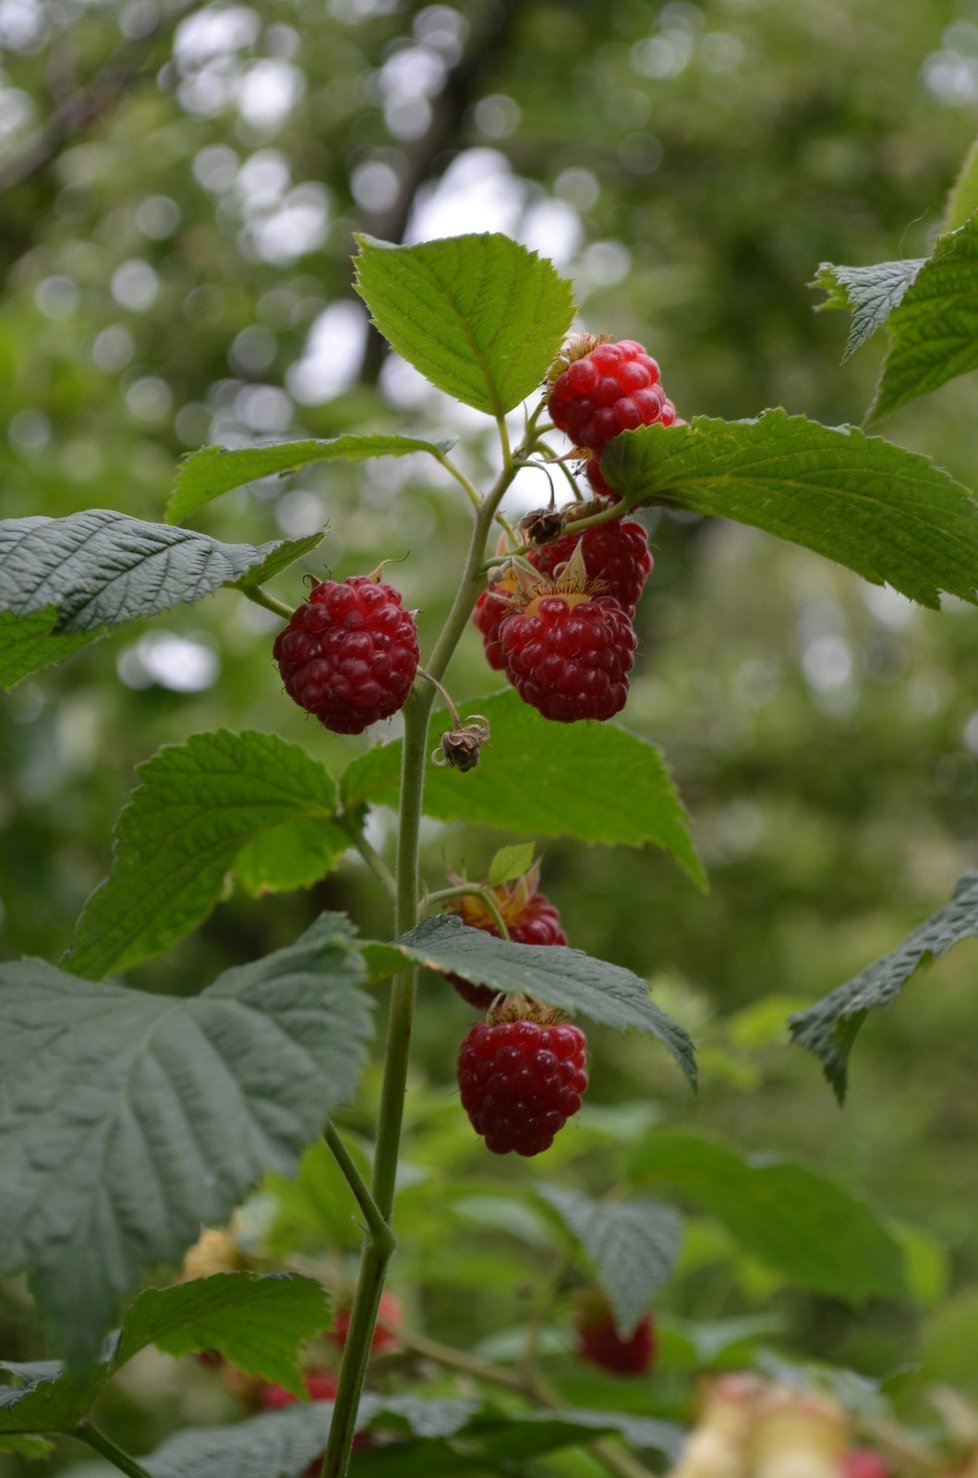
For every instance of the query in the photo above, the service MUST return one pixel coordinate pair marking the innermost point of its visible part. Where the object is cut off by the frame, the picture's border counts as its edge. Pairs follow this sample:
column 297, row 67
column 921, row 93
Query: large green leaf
column 550, row 973
column 830, row 1027
column 870, row 292
column 480, row 316
column 528, row 780
column 963, row 198
column 887, row 513
column 213, row 470
column 65, row 581
column 127, row 1120
column 632, row 1246
column 934, row 331
column 220, row 800
column 281, row 1444
column 256, row 1321
column 808, row 1228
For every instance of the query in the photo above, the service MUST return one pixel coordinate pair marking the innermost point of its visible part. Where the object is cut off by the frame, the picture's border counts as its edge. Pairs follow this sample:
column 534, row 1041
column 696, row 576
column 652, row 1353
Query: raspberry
column 569, row 656
column 493, row 604
column 521, row 1081
column 592, row 471
column 599, row 1341
column 383, row 1339
column 528, row 914
column 863, row 1462
column 611, row 389
column 616, row 557
column 349, row 654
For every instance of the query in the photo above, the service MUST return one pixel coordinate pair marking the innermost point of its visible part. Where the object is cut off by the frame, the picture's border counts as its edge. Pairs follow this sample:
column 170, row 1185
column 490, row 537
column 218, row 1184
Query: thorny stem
column 270, row 602
column 417, row 710
column 115, row 1455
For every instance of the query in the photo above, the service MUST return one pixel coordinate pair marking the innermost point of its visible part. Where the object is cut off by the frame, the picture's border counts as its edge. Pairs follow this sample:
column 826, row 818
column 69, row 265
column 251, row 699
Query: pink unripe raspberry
column 349, row 654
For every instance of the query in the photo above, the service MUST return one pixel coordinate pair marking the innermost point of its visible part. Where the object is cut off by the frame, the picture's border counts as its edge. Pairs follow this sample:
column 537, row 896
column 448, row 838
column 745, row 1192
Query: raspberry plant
column 129, row 1121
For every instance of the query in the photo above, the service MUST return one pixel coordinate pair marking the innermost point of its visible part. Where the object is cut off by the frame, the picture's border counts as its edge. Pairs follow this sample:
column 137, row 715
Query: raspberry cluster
column 616, row 557
column 599, row 1342
column 520, row 1082
column 349, row 654
column 528, row 914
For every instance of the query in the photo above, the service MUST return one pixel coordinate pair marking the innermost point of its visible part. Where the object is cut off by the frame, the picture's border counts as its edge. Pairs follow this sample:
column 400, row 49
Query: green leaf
column 963, row 199
column 632, row 1246
column 510, row 863
column 808, row 1228
column 480, row 316
column 100, row 568
column 127, row 1120
column 213, row 470
column 887, row 513
column 27, row 643
column 527, row 781
column 949, row 1341
column 830, row 1027
column 200, row 809
column 934, row 331
column 257, row 1322
column 870, row 292
column 46, row 1398
column 550, row 973
column 283, row 554
column 281, row 1444
column 34, row 1449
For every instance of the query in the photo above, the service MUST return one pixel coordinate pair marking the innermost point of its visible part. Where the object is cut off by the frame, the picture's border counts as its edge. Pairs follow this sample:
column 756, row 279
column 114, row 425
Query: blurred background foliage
column 180, row 188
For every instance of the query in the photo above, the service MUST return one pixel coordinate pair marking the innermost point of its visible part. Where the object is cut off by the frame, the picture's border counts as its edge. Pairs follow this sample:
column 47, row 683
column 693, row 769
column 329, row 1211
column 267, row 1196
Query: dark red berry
column 592, row 471
column 864, row 1462
column 599, row 1341
column 569, row 656
column 616, row 557
column 529, row 916
column 349, row 654
column 613, row 388
column 520, row 1082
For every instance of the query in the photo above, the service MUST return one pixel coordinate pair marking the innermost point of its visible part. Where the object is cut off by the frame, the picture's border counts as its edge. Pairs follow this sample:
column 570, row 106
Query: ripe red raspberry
column 616, row 557
column 569, row 656
column 493, row 604
column 599, row 1341
column 521, row 1081
column 349, row 654
column 528, row 914
column 863, row 1462
column 383, row 1339
column 612, row 388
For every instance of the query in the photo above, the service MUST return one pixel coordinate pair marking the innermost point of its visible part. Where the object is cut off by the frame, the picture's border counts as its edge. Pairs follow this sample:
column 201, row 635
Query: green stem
column 376, row 1255
column 115, row 1455
column 369, row 854
column 262, row 598
column 378, row 1228
column 470, row 492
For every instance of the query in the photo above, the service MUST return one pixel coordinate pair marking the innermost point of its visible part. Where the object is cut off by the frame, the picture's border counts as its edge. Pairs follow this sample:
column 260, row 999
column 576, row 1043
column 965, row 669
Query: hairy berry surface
column 616, row 557
column 349, row 654
column 536, row 922
column 613, row 389
column 570, row 661
column 520, row 1082
column 601, row 1343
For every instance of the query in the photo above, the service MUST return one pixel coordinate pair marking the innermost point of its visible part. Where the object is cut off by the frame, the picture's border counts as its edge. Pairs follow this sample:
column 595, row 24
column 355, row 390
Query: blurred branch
column 423, row 160
column 84, row 107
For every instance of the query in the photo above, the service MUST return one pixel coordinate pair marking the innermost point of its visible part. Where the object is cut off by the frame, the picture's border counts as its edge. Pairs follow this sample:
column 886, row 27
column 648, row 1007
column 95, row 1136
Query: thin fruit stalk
column 375, row 1257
